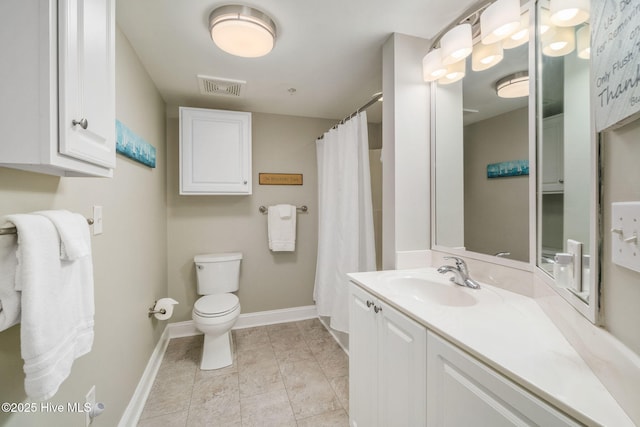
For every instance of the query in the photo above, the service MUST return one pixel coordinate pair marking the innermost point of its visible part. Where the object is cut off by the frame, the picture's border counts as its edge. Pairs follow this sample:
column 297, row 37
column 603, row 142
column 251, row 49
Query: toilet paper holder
column 152, row 310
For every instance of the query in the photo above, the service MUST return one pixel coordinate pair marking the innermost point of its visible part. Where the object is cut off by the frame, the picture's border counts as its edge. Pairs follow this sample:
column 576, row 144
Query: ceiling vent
column 219, row 86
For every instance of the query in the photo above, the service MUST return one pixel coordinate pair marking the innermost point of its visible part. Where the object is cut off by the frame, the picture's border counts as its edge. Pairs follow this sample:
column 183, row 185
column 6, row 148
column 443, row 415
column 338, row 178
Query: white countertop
column 508, row 332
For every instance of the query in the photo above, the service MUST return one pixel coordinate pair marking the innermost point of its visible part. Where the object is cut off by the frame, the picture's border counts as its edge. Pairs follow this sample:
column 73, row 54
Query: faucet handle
column 460, row 264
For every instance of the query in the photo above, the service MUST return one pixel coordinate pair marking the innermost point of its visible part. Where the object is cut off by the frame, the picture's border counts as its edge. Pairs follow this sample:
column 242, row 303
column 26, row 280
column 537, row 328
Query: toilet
column 215, row 313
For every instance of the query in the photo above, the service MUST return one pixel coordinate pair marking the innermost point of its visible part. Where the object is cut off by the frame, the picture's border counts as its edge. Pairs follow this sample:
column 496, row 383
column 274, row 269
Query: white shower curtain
column 345, row 225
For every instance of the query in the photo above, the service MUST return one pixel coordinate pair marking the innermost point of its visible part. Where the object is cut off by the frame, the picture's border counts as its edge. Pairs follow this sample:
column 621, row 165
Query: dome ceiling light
column 242, row 31
column 515, row 85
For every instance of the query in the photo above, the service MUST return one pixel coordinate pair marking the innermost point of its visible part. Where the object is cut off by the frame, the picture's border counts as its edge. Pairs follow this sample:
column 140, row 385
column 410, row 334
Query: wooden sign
column 280, row 179
column 615, row 61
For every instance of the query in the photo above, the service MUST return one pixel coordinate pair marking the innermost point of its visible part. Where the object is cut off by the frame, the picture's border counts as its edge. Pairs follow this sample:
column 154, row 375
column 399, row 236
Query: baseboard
column 271, row 317
column 135, row 407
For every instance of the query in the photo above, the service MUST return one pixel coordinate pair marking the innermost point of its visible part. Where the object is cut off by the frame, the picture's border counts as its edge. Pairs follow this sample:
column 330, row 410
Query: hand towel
column 281, row 223
column 71, row 228
column 9, row 296
column 57, row 305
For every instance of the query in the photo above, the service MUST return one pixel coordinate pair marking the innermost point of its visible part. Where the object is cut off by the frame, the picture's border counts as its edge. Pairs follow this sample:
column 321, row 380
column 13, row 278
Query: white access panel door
column 86, row 49
column 363, row 359
column 402, row 351
column 464, row 392
column 215, row 152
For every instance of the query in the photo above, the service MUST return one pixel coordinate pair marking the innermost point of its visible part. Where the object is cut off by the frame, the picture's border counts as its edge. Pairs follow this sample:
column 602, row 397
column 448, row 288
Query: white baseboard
column 186, row 329
column 135, row 407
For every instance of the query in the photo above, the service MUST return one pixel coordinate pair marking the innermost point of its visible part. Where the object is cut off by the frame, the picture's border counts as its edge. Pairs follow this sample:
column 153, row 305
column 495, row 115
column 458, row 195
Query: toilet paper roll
column 165, row 304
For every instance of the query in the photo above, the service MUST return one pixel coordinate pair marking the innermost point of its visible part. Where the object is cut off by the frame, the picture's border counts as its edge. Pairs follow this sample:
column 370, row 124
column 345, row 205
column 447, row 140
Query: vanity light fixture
column 521, row 36
column 583, row 40
column 559, row 41
column 432, row 67
column 242, row 31
column 456, row 44
column 485, row 56
column 569, row 13
column 454, row 73
column 515, row 85
column 499, row 20
column 545, row 21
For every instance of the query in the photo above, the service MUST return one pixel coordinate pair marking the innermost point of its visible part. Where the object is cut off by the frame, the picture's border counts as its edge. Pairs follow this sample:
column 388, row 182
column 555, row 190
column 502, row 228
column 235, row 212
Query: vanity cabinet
column 387, row 369
column 553, row 154
column 57, row 109
column 215, row 152
column 463, row 391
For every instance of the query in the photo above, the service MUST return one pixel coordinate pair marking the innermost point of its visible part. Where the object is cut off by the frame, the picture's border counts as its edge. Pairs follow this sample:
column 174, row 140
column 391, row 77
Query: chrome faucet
column 460, row 273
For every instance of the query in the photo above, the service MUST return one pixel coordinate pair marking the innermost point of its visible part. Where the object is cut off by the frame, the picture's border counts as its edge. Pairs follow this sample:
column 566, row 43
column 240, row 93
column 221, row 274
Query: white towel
column 9, row 296
column 57, row 305
column 281, row 223
column 71, row 228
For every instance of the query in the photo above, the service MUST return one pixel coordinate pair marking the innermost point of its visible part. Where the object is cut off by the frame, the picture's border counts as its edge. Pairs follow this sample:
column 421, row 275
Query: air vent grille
column 219, row 86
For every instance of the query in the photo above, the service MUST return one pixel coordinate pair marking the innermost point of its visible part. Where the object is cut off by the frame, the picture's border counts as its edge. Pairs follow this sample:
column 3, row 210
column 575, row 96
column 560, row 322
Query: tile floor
column 290, row 374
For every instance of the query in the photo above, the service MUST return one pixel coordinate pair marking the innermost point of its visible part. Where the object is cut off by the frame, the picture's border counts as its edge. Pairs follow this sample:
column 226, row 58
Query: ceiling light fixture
column 242, row 31
column 456, row 44
column 485, row 56
column 583, row 36
column 500, row 20
column 568, row 13
column 454, row 73
column 521, row 36
column 515, row 85
column 559, row 41
column 432, row 67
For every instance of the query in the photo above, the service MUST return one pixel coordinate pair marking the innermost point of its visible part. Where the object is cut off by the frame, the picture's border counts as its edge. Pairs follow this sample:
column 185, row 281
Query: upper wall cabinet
column 215, row 152
column 57, row 110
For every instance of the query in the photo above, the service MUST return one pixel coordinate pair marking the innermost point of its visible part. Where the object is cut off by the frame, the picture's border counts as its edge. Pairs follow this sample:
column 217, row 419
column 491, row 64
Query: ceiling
column 328, row 51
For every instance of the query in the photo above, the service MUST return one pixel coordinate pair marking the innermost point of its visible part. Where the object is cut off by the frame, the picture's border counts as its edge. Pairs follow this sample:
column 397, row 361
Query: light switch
column 625, row 228
column 97, row 220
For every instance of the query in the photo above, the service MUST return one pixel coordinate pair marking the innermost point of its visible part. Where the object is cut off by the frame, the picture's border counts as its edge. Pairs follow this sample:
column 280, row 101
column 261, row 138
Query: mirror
column 567, row 168
column 480, row 158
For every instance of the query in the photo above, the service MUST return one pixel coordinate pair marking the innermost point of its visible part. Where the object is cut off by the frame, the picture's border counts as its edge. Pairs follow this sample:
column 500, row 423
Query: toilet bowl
column 215, row 313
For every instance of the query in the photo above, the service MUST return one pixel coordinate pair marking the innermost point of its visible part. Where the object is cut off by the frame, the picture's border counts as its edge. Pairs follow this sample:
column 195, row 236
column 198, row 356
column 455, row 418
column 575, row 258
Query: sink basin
column 432, row 291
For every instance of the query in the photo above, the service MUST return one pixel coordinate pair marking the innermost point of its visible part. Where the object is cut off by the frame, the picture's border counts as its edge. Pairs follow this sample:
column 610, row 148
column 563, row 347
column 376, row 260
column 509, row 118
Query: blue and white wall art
column 132, row 146
column 510, row 168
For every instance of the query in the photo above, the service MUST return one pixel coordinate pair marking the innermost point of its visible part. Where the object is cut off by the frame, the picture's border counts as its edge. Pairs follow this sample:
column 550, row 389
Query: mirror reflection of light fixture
column 515, row 85
column 485, row 56
column 432, row 67
column 456, row 44
column 242, row 30
column 545, row 21
column 568, row 13
column 499, row 20
column 454, row 73
column 559, row 41
column 521, row 36
column 583, row 40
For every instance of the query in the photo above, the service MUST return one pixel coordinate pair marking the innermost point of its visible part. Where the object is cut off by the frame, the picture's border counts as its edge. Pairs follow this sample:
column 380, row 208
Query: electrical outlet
column 90, row 402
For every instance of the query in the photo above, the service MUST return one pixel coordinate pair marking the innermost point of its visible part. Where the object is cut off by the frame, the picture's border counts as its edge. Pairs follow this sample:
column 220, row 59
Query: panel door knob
column 369, row 303
column 82, row 122
column 377, row 309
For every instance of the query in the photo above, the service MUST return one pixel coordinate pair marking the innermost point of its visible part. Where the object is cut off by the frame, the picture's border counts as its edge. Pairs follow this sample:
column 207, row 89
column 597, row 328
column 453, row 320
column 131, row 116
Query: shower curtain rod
column 372, row 101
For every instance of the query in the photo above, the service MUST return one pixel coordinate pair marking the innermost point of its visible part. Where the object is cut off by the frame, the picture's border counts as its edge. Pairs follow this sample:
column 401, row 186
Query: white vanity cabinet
column 387, row 369
column 553, row 154
column 215, row 152
column 57, row 109
column 463, row 391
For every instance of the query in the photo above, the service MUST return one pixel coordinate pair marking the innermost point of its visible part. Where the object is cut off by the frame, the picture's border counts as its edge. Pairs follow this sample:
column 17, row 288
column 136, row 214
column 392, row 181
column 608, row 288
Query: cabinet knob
column 377, row 309
column 82, row 122
column 245, row 182
column 369, row 303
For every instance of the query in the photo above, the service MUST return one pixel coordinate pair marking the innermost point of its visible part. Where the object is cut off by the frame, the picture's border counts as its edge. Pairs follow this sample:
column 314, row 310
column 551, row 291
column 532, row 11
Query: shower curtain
column 345, row 226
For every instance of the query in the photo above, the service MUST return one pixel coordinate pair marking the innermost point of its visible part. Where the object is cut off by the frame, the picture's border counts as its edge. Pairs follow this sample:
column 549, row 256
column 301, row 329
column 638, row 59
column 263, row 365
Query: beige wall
column 621, row 286
column 496, row 211
column 129, row 259
column 209, row 224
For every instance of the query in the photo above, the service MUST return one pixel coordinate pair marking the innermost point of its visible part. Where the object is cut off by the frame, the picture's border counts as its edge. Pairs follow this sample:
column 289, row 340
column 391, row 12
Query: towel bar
column 13, row 230
column 303, row 208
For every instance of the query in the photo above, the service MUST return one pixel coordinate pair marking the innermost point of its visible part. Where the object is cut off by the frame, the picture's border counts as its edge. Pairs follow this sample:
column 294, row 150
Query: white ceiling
column 330, row 51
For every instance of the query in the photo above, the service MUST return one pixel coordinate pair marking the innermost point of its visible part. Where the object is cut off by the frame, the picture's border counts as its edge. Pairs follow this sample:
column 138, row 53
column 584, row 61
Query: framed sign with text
column 280, row 179
column 615, row 62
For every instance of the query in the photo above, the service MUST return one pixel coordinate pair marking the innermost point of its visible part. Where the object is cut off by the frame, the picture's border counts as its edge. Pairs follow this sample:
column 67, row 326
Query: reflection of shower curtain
column 345, row 226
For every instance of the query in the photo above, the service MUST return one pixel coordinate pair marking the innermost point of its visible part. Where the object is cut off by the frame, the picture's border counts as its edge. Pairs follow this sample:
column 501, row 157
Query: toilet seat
column 216, row 305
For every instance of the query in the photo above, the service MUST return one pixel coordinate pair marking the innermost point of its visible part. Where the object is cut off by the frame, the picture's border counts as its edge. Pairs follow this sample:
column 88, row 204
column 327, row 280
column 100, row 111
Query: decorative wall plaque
column 280, row 179
column 615, row 61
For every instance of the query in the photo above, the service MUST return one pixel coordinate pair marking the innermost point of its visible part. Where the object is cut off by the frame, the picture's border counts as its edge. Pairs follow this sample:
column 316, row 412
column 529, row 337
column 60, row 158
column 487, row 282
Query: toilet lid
column 216, row 305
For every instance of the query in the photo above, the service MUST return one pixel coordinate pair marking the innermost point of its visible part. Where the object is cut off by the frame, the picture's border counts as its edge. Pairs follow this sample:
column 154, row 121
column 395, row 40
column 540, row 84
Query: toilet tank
column 218, row 273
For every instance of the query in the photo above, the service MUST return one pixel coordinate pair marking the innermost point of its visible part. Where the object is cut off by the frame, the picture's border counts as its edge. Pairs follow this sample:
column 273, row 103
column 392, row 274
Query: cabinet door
column 553, row 154
column 464, row 392
column 215, row 152
column 363, row 340
column 86, row 45
column 403, row 370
